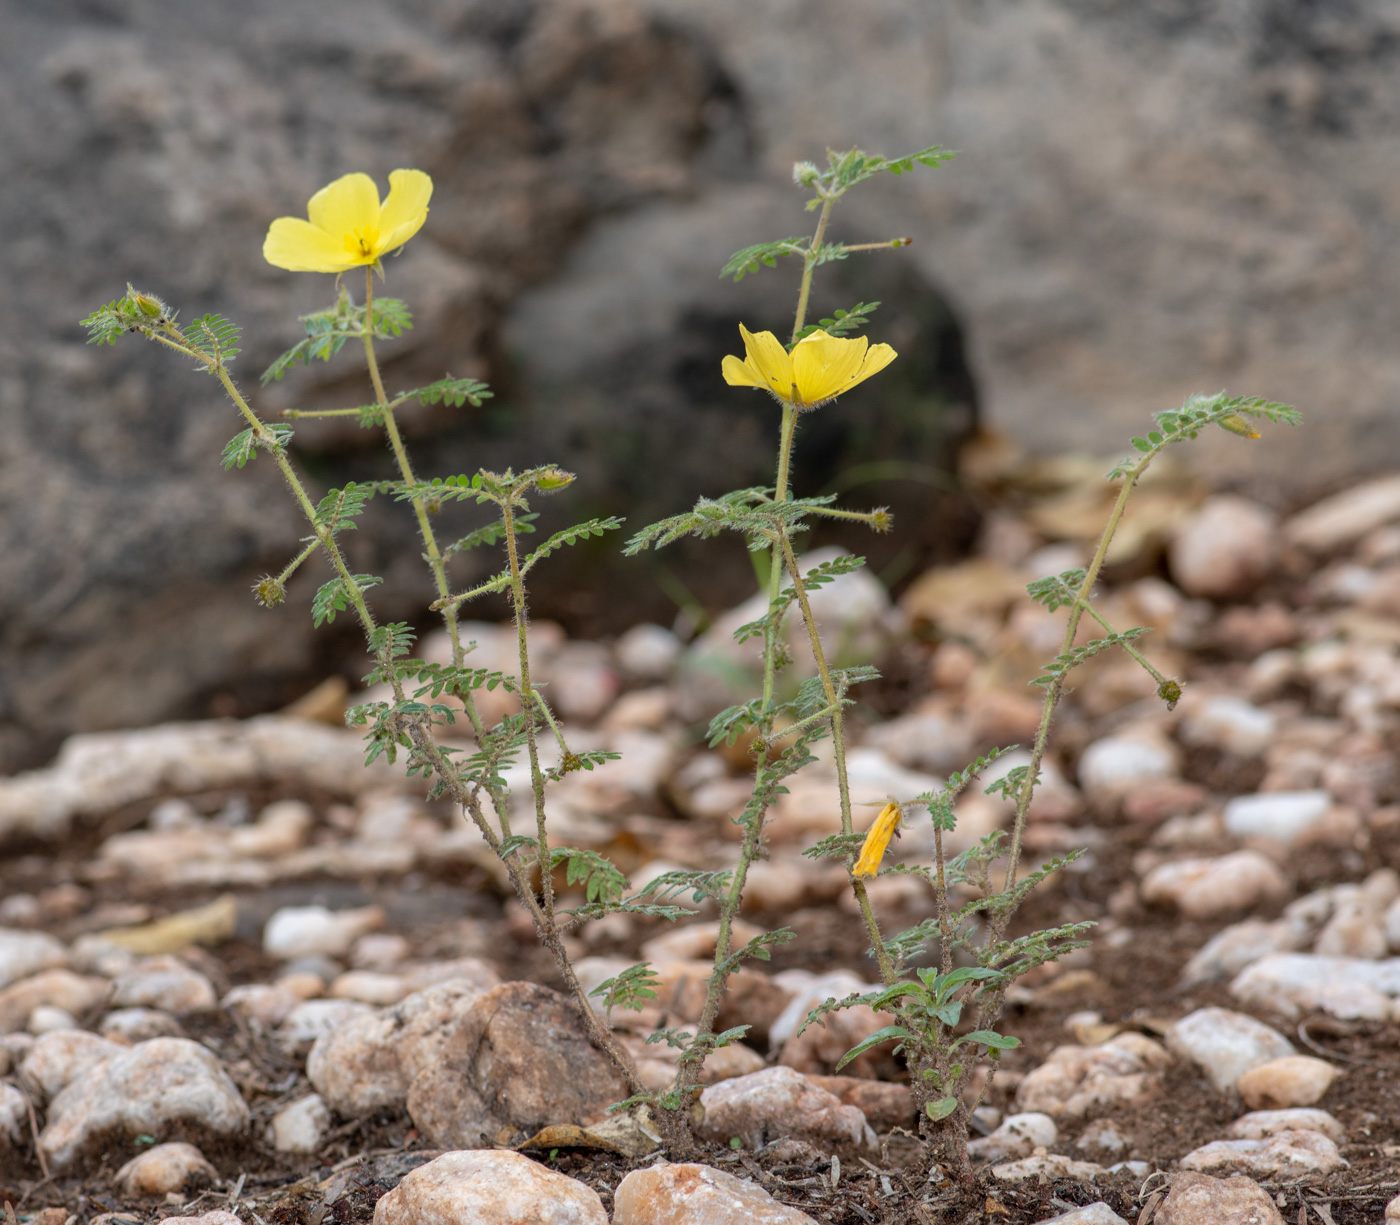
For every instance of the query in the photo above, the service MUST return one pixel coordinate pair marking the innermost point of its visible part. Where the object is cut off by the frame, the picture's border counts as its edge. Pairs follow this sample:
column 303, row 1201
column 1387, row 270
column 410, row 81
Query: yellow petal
column 877, row 840
column 349, row 204
column 769, row 360
column 824, row 366
column 877, row 357
column 738, row 374
column 405, row 208
column 299, row 246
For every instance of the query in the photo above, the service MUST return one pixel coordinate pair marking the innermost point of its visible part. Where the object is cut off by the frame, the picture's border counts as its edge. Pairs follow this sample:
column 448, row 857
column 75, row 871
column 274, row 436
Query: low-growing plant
column 946, row 1018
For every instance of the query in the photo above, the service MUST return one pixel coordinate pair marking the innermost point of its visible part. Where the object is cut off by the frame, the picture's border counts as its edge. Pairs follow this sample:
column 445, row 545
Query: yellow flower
column 347, row 226
column 819, row 368
column 877, row 840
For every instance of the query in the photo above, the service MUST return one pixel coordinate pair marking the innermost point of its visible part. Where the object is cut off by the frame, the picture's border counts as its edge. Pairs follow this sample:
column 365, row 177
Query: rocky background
column 1150, row 199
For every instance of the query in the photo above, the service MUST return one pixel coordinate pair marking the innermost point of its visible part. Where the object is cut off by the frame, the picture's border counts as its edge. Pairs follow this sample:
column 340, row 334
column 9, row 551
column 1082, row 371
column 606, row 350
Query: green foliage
column 701, row 885
column 631, row 989
column 213, row 338
column 599, row 876
column 845, row 170
column 842, row 321
column 1057, row 590
column 337, row 510
column 1195, row 415
column 243, row 446
column 328, row 330
column 450, row 391
column 763, row 254
column 1067, row 661
column 570, row 535
column 335, row 597
column 491, row 534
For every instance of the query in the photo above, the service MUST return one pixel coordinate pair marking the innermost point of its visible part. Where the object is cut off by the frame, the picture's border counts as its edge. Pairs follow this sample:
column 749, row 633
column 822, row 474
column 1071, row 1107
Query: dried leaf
column 209, row 924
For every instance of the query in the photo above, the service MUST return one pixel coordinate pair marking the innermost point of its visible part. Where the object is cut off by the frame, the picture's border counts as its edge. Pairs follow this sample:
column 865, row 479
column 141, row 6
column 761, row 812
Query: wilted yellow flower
column 347, row 225
column 877, row 840
column 819, row 368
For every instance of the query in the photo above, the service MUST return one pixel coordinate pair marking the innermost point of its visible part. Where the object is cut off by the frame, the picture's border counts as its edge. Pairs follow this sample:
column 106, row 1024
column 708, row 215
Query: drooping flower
column 877, row 840
column 819, row 368
column 347, row 226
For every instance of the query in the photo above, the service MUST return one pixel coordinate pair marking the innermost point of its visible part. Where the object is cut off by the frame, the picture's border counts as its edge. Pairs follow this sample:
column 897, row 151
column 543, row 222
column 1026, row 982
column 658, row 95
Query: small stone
column 1352, row 932
column 153, row 1088
column 132, row 1025
column 300, row 1127
column 1211, row 888
column 1392, row 1210
column 281, row 828
column 1047, row 1166
column 648, row 652
column 1198, row 1199
column 303, row 984
column 165, row 1168
column 369, row 987
column 59, row 1057
column 1283, row 816
column 300, row 931
column 1294, row 1080
column 14, row 1117
column 1091, row 1214
column 166, row 983
column 489, row 1188
column 1232, row 949
column 1287, row 1154
column 1225, row 722
column 780, row 1102
column 1260, row 1123
column 379, row 951
column 46, row 1018
column 936, row 740
column 518, row 1057
column 1077, row 1080
column 1329, row 525
column 695, row 941
column 641, row 710
column 1225, row 549
column 74, row 993
column 1225, row 1044
column 312, row 1019
column 1294, row 983
column 884, row 1104
column 686, row 1194
column 269, row 1006
column 1113, row 767
column 582, row 682
column 24, row 953
column 217, row 1216
column 1018, row 1136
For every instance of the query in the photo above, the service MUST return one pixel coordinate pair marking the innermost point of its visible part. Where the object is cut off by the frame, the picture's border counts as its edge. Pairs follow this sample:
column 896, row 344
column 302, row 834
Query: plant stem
column 420, row 509
column 838, row 743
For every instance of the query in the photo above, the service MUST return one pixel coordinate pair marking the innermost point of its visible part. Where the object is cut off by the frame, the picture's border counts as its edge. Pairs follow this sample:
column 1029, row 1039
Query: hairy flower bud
column 553, row 478
column 269, row 591
column 804, row 174
column 1237, row 424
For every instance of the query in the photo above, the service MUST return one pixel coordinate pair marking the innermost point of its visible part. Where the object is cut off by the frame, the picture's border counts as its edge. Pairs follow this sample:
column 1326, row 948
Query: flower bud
column 269, row 591
column 805, row 174
column 1237, row 424
column 553, row 478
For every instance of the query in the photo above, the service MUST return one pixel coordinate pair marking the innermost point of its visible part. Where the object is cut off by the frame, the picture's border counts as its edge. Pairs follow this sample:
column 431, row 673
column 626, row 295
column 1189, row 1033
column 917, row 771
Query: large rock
column 164, row 1087
column 666, row 1194
column 1198, row 1199
column 519, row 1059
column 491, row 1188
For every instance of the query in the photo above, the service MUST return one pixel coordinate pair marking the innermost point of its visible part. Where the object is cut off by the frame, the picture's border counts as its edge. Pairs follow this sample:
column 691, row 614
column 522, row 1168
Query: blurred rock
column 493, row 1188
column 780, row 1102
column 1047, row 1166
column 300, row 1127
column 1260, row 1123
column 58, row 1058
column 518, row 1057
column 1291, row 984
column 165, row 983
column 1211, row 888
column 1228, row 723
column 1198, row 1199
column 1294, row 1080
column 1226, row 1044
column 1077, row 1080
column 24, row 953
column 934, row 740
column 1344, row 518
column 132, row 1025
column 155, row 1088
column 1225, row 549
column 648, row 652
column 14, row 1117
column 73, row 993
column 165, row 1168
column 1113, row 767
column 1288, row 1154
column 1018, row 1136
column 1283, row 816
column 674, row 1194
column 311, row 1020
column 267, row 1005
column 299, row 931
column 1091, row 1214
column 1241, row 944
column 884, row 1105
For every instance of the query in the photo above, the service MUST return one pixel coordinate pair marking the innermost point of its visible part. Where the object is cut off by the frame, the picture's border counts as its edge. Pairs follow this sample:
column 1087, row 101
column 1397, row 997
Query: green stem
column 420, row 508
column 529, row 703
column 838, row 744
